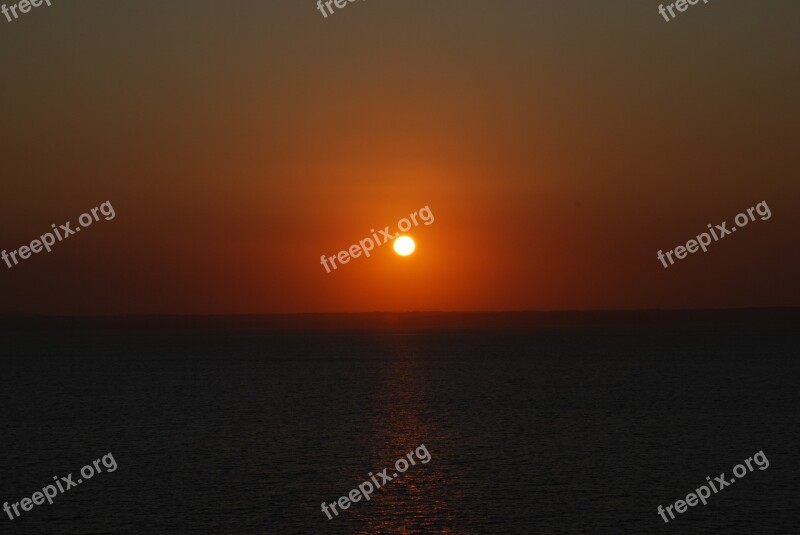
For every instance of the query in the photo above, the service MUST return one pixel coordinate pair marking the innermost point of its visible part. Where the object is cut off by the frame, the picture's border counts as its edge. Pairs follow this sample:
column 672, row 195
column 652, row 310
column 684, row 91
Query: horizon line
column 251, row 314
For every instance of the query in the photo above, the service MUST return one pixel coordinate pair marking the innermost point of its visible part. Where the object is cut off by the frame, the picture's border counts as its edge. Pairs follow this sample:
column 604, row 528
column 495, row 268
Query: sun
column 404, row 246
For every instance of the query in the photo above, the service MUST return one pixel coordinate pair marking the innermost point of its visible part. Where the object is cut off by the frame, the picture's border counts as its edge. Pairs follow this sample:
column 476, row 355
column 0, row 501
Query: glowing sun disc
column 404, row 246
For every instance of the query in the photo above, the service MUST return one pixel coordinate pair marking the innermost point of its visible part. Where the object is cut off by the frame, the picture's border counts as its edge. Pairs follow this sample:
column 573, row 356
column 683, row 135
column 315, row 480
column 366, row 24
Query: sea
column 536, row 423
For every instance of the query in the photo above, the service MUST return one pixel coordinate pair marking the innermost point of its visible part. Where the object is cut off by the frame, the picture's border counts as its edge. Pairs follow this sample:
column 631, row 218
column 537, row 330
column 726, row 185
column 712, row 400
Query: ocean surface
column 552, row 429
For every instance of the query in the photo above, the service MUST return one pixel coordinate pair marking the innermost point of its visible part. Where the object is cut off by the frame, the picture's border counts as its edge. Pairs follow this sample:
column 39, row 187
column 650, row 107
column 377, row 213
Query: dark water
column 538, row 431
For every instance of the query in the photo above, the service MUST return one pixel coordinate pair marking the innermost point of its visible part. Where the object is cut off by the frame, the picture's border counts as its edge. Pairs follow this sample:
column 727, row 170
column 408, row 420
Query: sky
column 559, row 145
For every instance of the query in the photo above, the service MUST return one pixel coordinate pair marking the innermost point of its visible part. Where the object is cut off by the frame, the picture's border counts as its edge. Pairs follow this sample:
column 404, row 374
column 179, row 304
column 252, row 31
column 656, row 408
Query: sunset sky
column 559, row 145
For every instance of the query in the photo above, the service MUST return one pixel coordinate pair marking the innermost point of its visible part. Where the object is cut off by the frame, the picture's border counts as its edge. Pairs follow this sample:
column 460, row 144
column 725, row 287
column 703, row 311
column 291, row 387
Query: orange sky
column 559, row 147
